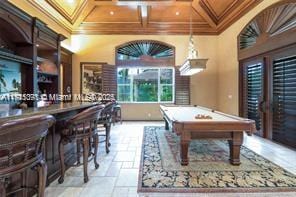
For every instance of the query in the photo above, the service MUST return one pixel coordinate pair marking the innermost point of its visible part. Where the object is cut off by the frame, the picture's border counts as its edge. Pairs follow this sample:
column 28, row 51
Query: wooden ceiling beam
column 144, row 15
column 197, row 7
column 144, row 24
column 86, row 11
column 142, row 3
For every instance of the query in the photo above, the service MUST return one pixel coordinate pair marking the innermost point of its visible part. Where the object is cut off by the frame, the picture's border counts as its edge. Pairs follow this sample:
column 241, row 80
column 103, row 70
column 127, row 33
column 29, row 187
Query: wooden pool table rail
column 210, row 129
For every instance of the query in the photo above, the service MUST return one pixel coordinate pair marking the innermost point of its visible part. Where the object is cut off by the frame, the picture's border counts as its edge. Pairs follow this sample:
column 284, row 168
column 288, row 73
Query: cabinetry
column 30, row 55
column 66, row 72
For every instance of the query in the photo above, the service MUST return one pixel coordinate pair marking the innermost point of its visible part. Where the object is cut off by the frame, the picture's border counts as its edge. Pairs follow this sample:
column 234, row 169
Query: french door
column 253, row 96
column 284, row 99
column 268, row 94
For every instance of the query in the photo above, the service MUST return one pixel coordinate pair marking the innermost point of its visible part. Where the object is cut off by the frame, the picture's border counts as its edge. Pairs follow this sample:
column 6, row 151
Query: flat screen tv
column 10, row 77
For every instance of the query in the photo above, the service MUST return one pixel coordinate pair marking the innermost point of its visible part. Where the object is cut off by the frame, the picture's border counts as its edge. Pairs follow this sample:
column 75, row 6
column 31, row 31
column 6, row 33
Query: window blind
column 254, row 82
column 284, row 100
column 109, row 79
column 182, row 88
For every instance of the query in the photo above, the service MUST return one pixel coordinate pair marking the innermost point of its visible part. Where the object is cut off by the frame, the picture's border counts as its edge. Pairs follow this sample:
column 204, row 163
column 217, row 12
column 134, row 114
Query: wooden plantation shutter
column 109, row 79
column 182, row 88
column 284, row 100
column 253, row 94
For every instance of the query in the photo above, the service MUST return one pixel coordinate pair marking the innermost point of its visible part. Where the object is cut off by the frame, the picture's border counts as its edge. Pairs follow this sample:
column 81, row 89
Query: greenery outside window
column 152, row 85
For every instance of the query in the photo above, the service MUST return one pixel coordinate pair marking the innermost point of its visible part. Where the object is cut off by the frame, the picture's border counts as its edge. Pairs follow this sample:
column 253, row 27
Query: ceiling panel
column 68, row 6
column 174, row 14
column 144, row 17
column 220, row 6
column 69, row 9
column 114, row 14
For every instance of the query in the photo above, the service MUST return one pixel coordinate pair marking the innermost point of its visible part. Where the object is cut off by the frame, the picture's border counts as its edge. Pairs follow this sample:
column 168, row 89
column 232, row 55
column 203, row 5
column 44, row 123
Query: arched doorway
column 267, row 55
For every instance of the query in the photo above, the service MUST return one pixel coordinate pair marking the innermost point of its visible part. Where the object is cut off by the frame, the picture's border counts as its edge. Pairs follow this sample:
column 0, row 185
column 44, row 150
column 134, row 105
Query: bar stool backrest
column 106, row 115
column 85, row 121
column 22, row 142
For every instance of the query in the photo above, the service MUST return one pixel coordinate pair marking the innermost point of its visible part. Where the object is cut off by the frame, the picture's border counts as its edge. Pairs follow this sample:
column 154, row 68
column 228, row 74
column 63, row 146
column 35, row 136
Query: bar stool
column 117, row 114
column 22, row 143
column 105, row 122
column 81, row 128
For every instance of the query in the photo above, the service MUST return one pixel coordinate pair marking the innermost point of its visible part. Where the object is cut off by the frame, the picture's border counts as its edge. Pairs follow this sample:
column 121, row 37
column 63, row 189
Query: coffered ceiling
column 144, row 17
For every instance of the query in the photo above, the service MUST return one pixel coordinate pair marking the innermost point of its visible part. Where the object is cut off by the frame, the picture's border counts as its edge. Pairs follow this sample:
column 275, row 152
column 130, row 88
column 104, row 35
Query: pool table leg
column 234, row 147
column 184, row 153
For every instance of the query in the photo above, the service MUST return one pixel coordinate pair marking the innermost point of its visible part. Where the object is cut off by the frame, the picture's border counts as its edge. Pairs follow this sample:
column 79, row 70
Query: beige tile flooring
column 118, row 171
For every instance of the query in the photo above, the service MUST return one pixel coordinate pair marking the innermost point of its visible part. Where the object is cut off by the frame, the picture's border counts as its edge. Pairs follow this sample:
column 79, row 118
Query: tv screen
column 10, row 77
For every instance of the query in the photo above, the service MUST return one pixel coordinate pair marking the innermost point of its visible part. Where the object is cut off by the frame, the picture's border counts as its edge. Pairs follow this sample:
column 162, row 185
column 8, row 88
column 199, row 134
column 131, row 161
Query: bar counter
column 51, row 109
column 61, row 112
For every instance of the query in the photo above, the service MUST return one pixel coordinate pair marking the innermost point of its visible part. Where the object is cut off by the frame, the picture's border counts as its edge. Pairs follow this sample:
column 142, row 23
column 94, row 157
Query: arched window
column 145, row 72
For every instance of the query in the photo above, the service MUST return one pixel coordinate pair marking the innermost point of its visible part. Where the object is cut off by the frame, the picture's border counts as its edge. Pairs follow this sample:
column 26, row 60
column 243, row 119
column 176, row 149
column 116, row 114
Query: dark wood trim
column 240, row 89
column 29, row 39
column 211, row 12
column 232, row 18
column 269, row 43
column 273, row 43
column 66, row 61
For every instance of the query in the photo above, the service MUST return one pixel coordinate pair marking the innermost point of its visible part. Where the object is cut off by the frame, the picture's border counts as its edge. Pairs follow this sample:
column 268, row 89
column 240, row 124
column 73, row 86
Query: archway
column 267, row 54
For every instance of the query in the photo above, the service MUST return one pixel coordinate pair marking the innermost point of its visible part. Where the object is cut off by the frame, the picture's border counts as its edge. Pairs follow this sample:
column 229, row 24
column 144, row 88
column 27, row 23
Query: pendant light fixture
column 193, row 64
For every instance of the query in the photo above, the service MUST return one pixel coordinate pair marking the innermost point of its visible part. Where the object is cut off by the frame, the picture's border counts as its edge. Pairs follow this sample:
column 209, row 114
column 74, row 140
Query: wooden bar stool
column 105, row 122
column 22, row 143
column 81, row 128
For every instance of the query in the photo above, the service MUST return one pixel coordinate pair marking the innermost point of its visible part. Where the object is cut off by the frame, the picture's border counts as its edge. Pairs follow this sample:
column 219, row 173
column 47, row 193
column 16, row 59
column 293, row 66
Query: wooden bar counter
column 61, row 112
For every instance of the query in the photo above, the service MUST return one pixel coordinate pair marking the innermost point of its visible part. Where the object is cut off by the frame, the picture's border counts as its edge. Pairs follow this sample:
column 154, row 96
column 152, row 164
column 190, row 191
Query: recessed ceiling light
column 37, row 45
column 177, row 13
column 111, row 13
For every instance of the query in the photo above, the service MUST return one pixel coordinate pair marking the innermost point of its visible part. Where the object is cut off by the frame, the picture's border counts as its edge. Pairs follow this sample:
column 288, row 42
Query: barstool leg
column 62, row 160
column 96, row 144
column 120, row 116
column 24, row 183
column 89, row 146
column 42, row 173
column 78, row 144
column 107, row 142
column 85, row 158
column 2, row 187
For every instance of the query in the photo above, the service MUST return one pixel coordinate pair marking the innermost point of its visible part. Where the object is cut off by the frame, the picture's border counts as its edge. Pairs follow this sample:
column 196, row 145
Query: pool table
column 195, row 122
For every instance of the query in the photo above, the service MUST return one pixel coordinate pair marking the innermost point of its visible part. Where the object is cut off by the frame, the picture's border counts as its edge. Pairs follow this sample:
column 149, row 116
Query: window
column 145, row 84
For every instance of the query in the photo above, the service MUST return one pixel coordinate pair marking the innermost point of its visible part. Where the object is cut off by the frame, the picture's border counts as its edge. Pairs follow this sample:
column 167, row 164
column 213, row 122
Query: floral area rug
column 209, row 169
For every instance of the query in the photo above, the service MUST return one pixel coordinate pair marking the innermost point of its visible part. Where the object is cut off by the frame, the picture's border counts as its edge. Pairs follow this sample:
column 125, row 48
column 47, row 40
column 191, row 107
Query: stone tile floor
column 117, row 175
